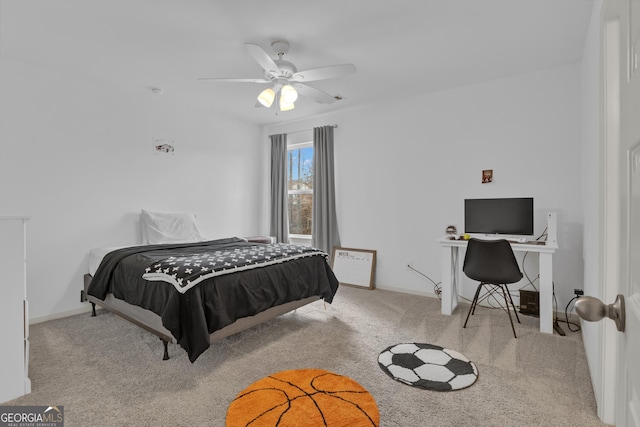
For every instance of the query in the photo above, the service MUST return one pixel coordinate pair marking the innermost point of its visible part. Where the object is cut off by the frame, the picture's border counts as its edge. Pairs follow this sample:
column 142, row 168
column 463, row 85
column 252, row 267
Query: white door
column 621, row 44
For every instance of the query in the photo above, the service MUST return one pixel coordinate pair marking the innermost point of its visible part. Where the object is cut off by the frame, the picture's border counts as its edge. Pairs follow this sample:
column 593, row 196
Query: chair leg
column 512, row 304
column 473, row 304
column 476, row 299
column 506, row 301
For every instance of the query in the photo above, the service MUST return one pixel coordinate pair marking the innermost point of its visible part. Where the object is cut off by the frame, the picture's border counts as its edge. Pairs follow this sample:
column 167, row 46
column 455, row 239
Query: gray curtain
column 279, row 193
column 325, row 224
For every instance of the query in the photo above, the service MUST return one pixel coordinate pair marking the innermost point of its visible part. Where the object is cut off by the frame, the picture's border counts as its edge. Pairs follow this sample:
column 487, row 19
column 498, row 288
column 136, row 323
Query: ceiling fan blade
column 313, row 93
column 214, row 79
column 262, row 58
column 323, row 73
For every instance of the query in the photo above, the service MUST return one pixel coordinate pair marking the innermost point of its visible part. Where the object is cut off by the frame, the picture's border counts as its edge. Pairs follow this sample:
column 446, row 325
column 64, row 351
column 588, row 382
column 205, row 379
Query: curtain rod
column 305, row 130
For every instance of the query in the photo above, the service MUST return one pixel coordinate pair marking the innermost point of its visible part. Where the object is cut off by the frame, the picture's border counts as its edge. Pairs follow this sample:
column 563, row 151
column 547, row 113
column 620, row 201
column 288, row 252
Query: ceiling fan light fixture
column 286, row 82
column 286, row 106
column 267, row 97
column 288, row 94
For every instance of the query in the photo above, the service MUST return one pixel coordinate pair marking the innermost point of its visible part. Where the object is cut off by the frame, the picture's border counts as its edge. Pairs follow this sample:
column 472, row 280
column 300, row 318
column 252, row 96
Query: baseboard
column 407, row 291
column 85, row 309
column 558, row 314
column 573, row 317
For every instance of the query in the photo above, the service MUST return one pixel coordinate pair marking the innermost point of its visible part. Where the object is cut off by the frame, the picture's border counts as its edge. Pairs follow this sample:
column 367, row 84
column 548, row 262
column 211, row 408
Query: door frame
column 614, row 39
column 610, row 35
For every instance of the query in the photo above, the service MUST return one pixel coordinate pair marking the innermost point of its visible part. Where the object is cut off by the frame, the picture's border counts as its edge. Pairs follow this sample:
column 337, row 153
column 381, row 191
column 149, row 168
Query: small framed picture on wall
column 487, row 176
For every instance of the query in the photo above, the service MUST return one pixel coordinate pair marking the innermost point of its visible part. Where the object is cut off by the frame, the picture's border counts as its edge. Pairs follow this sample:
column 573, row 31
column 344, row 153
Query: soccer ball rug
column 428, row 366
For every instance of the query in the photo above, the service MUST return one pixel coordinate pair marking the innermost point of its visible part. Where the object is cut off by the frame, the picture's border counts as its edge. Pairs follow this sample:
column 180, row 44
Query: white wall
column 404, row 168
column 77, row 156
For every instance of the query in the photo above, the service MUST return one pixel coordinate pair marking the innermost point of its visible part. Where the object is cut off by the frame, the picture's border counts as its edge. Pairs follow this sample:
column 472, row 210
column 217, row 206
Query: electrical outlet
column 578, row 292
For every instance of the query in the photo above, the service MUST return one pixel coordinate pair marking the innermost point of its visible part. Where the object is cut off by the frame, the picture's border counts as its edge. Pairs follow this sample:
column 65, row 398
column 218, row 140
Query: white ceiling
column 400, row 47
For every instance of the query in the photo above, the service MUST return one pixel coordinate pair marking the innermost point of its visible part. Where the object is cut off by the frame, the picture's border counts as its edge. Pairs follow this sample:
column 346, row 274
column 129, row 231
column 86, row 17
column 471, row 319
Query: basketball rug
column 428, row 366
column 304, row 397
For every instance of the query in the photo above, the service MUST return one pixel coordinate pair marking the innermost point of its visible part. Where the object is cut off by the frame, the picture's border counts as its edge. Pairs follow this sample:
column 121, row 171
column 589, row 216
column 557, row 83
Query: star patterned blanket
column 185, row 272
column 288, row 274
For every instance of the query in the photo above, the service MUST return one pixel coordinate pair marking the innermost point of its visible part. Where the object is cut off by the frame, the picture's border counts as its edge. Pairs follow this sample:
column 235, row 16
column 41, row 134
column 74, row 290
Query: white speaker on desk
column 552, row 228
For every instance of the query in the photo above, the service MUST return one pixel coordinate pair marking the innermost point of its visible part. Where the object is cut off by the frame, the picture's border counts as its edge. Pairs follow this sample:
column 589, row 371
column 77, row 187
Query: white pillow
column 159, row 228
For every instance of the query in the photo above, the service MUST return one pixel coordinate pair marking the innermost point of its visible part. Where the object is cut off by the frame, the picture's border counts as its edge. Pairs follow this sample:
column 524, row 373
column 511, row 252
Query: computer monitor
column 506, row 216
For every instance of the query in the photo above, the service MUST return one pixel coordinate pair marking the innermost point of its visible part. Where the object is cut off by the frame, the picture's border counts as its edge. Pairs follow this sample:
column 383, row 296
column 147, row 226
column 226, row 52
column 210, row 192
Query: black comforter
column 215, row 302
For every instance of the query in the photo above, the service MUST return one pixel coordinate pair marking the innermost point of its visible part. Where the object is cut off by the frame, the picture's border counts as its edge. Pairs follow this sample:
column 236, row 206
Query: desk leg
column 449, row 284
column 546, row 293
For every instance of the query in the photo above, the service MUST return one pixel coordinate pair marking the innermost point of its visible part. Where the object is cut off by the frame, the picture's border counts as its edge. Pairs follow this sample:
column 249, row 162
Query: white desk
column 452, row 266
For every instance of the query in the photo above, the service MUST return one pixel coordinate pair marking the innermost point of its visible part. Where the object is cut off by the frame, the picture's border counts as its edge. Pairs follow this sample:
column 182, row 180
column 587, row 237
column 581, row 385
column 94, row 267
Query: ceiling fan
column 285, row 79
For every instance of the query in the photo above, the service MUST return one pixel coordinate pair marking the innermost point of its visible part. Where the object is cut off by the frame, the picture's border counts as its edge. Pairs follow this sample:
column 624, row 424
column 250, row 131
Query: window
column 300, row 186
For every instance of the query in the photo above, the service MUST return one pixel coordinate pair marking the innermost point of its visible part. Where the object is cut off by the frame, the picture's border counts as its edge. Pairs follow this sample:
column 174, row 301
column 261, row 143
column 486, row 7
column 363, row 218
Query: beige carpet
column 107, row 372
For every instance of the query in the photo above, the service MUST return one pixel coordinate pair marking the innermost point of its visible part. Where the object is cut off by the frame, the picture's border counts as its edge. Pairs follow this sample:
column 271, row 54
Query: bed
column 195, row 293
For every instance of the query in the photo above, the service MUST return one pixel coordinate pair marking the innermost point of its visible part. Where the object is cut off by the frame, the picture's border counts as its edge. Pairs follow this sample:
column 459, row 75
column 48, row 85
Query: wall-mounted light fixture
column 163, row 146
